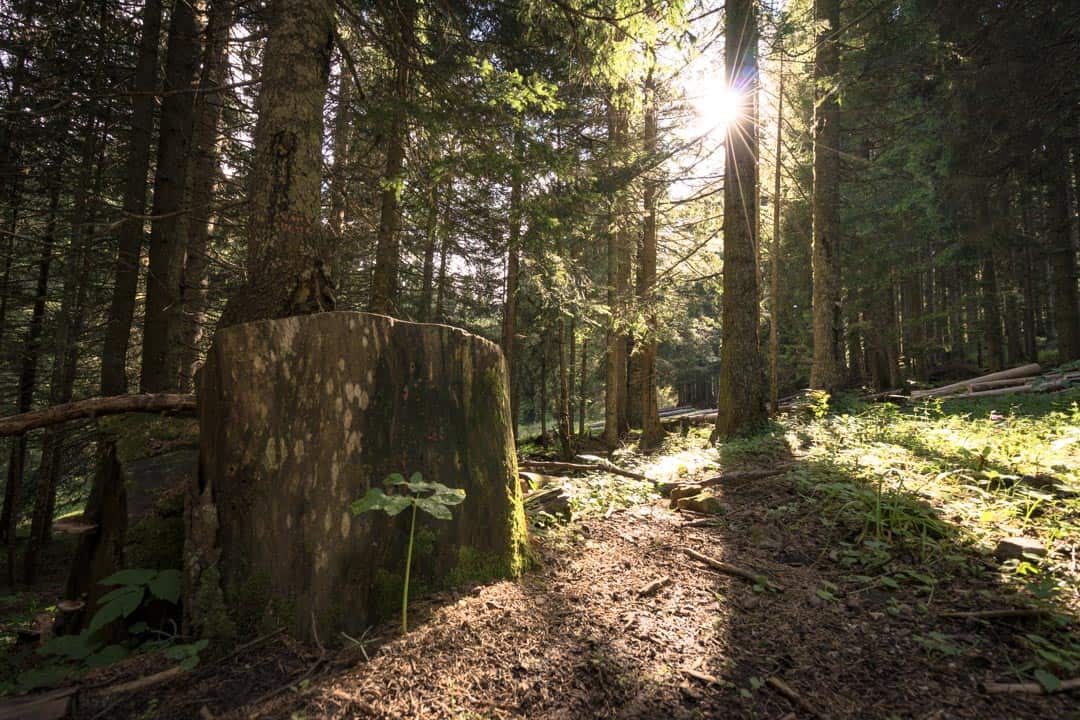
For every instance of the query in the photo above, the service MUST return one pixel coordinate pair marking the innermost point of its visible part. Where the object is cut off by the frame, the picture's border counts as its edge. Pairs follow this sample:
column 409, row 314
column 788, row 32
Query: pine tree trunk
column 203, row 181
column 286, row 255
column 1027, row 281
column 126, row 273
column 991, row 316
column 651, row 430
column 28, row 377
column 167, row 231
column 566, row 449
column 774, row 254
column 440, row 289
column 513, row 281
column 740, row 391
column 826, row 372
column 582, row 398
column 423, row 306
column 339, row 174
column 1063, row 263
column 384, row 284
column 618, row 250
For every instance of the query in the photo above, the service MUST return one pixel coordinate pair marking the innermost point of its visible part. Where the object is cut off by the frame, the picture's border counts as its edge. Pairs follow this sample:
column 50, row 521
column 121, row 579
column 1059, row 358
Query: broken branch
column 729, row 569
column 95, row 407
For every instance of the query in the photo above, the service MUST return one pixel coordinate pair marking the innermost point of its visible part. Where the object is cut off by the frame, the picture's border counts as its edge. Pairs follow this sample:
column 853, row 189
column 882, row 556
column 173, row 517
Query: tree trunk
column 339, row 174
column 618, row 251
column 582, row 398
column 126, row 273
column 203, row 181
column 384, row 285
column 774, row 255
column 543, row 395
column 440, row 290
column 423, row 306
column 270, row 539
column 168, row 236
column 740, row 392
column 651, row 430
column 566, row 447
column 1028, row 284
column 513, row 269
column 826, row 372
column 28, row 380
column 1063, row 262
column 286, row 255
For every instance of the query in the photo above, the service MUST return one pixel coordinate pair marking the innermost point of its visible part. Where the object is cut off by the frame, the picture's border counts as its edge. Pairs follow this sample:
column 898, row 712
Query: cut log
column 1022, row 371
column 553, row 500
column 95, row 407
column 298, row 417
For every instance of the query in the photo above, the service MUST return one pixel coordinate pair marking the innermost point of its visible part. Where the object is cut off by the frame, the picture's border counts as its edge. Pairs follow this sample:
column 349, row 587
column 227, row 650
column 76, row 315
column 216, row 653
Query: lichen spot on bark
column 363, row 400
column 329, row 386
column 348, row 419
column 260, row 365
column 298, row 449
column 346, row 525
column 270, row 457
column 341, row 364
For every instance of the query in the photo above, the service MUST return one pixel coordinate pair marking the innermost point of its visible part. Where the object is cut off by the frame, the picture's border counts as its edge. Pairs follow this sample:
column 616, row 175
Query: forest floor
column 883, row 523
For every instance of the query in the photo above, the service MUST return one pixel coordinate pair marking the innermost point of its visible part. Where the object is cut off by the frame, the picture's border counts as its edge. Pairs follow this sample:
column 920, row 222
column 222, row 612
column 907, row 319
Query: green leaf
column 376, row 499
column 166, row 586
column 137, row 628
column 116, row 609
column 120, row 593
column 74, row 647
column 133, row 576
column 107, row 656
column 415, row 478
column 1048, row 680
column 48, row 676
column 394, row 479
column 433, row 508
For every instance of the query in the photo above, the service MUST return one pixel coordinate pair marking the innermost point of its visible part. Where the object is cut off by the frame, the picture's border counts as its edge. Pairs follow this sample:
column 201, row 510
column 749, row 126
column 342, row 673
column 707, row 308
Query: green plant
column 433, row 498
column 89, row 649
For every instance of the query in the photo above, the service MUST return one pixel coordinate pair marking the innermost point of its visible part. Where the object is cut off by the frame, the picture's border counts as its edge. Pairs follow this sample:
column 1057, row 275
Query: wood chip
column 654, row 587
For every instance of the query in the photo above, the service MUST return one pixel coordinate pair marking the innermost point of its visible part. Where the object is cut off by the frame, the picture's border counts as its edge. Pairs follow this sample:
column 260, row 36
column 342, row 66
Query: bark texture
column 286, row 255
column 1063, row 263
column 270, row 537
column 740, row 394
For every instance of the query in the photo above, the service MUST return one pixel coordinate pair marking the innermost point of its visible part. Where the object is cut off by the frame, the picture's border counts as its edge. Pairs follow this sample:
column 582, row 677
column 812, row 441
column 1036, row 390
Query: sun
column 717, row 108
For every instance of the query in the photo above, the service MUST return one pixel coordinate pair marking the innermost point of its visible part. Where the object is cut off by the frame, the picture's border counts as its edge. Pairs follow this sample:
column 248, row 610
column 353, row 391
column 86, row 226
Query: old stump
column 298, row 418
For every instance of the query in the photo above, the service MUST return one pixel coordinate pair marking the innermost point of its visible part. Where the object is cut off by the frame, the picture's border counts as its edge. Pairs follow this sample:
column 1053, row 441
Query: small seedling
column 433, row 498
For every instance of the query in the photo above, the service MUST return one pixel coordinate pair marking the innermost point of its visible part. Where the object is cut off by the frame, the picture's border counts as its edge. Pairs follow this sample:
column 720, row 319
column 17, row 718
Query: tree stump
column 298, row 418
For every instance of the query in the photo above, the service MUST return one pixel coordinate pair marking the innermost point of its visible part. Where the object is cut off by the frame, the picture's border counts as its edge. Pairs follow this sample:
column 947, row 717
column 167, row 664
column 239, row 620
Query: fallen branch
column 784, row 689
column 95, row 407
column 993, row 688
column 144, row 682
column 991, row 614
column 654, row 587
column 729, row 569
column 746, row 475
column 548, row 467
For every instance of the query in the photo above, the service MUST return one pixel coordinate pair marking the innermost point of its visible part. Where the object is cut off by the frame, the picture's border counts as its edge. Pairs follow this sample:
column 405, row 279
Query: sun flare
column 717, row 109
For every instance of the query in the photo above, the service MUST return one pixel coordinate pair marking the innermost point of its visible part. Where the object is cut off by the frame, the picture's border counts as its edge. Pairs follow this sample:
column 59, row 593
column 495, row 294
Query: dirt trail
column 574, row 639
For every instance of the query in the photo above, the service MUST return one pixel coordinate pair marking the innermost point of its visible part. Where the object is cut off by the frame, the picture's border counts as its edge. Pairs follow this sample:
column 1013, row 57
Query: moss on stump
column 298, row 417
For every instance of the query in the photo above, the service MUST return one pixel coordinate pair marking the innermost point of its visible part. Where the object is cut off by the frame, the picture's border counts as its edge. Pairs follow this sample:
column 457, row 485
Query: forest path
column 575, row 638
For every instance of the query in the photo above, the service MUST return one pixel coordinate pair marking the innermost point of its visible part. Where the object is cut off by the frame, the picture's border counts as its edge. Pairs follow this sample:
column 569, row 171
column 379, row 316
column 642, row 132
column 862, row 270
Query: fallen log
column 1022, row 371
column 594, row 464
column 56, row 705
column 95, row 407
column 692, row 488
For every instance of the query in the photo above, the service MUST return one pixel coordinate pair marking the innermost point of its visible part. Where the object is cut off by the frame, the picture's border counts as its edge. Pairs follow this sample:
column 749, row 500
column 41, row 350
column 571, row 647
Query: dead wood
column 654, row 587
column 992, row 614
column 786, row 690
column 729, row 569
column 546, row 467
column 1022, row 371
column 55, row 705
column 993, row 688
column 144, row 682
column 95, row 407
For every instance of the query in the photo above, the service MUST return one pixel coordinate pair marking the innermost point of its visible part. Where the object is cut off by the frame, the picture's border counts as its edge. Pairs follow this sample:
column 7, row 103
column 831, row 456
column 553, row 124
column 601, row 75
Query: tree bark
column 28, row 377
column 1063, row 262
column 651, row 430
column 126, row 273
column 774, row 255
column 566, row 441
column 826, row 372
column 740, row 392
column 513, row 269
column 167, row 230
column 286, row 255
column 384, row 286
column 582, row 397
column 203, row 181
column 618, row 267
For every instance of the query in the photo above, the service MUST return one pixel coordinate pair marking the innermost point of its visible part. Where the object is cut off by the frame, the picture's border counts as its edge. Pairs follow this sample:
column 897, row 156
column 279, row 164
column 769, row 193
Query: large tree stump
column 298, row 418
